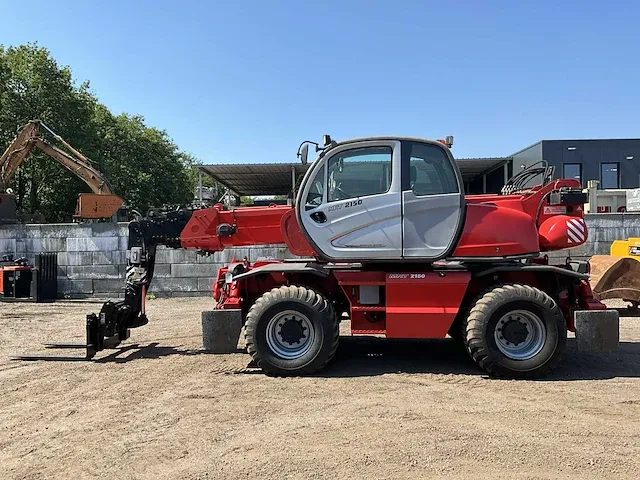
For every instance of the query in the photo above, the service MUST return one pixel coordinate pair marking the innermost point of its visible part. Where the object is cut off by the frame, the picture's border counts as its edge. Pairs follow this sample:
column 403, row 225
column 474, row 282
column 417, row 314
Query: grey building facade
column 615, row 163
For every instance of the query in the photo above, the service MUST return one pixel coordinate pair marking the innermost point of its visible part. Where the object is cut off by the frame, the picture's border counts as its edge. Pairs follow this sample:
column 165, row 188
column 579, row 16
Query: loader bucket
column 615, row 276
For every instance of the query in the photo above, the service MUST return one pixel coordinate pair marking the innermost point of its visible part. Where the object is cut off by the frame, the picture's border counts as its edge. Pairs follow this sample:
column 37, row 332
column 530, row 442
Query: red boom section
column 246, row 226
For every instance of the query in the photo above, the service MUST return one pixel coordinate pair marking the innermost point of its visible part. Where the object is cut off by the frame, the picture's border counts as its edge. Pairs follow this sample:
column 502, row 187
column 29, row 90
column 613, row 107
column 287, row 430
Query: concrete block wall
column 92, row 258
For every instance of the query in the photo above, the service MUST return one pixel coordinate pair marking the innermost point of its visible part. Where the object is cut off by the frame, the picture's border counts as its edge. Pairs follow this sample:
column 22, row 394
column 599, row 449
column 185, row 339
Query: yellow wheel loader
column 617, row 275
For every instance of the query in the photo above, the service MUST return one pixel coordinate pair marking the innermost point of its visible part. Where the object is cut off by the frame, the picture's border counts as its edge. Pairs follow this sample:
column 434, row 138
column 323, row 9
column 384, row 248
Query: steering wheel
column 312, row 197
column 339, row 194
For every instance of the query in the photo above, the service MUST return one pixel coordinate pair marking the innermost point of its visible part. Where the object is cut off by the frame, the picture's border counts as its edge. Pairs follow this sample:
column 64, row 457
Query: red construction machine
column 386, row 237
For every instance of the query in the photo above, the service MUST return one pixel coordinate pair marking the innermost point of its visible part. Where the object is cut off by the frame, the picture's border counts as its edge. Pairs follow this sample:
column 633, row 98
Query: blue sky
column 236, row 82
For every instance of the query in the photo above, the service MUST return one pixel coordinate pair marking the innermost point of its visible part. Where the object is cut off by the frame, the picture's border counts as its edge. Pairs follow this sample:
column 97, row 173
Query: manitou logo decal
column 576, row 230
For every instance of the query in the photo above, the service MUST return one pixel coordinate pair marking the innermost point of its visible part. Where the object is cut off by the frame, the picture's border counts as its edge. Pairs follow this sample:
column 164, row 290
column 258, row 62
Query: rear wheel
column 291, row 331
column 515, row 331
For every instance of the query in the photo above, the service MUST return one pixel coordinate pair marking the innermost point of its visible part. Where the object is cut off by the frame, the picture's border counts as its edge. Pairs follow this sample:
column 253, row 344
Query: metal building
column 615, row 163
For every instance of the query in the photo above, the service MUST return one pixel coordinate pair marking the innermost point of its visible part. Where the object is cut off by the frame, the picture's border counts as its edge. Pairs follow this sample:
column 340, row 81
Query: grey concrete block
column 208, row 259
column 161, row 270
column 586, row 249
column 94, row 272
column 75, row 258
column 95, row 244
column 65, row 230
column 607, row 234
column 113, row 286
column 20, row 231
column 66, row 285
column 114, row 257
column 228, row 254
column 597, row 330
column 46, row 244
column 604, row 220
column 170, row 255
column 123, row 243
column 174, row 285
column 221, row 330
column 271, row 254
column 7, row 245
column 601, row 248
column 204, row 284
column 105, row 230
column 631, row 220
column 193, row 270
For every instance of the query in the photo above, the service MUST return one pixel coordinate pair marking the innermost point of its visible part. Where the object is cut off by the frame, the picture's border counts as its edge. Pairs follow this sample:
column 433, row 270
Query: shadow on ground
column 370, row 356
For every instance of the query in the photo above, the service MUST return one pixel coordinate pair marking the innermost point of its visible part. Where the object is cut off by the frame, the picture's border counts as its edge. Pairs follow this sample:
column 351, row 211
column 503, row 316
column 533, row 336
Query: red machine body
column 495, row 226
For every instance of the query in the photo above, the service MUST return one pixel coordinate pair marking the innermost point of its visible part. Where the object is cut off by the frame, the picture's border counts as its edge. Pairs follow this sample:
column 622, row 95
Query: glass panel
column 316, row 192
column 609, row 175
column 359, row 172
column 430, row 171
column 572, row 170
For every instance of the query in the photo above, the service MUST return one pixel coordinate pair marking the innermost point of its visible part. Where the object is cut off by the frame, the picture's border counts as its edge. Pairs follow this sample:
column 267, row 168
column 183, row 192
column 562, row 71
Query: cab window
column 316, row 192
column 358, row 173
column 430, row 171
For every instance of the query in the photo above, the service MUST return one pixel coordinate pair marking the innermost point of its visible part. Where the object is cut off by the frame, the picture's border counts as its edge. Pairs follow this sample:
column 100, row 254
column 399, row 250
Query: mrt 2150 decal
column 413, row 276
column 576, row 230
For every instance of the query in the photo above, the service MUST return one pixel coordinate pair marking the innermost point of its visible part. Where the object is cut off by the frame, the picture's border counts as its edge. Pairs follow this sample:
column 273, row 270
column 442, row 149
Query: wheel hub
column 290, row 334
column 520, row 334
column 515, row 331
column 292, row 331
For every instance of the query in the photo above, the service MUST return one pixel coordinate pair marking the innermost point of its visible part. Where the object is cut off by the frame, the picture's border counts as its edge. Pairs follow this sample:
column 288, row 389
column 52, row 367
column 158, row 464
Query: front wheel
column 515, row 331
column 291, row 331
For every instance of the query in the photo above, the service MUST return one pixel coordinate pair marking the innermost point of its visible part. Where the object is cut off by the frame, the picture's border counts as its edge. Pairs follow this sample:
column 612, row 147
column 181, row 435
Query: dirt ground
column 158, row 407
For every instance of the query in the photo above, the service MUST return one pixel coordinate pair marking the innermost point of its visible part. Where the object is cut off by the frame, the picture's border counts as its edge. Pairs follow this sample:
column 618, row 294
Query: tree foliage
column 142, row 163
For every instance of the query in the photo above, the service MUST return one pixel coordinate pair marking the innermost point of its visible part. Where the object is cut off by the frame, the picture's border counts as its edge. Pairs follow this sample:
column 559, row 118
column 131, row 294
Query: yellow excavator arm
column 102, row 203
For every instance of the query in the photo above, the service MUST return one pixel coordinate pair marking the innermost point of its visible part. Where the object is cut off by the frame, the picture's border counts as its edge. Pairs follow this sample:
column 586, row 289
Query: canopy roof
column 276, row 178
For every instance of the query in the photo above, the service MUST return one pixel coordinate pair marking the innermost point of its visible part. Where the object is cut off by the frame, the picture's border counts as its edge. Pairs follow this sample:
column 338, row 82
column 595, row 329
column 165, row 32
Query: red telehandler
column 387, row 237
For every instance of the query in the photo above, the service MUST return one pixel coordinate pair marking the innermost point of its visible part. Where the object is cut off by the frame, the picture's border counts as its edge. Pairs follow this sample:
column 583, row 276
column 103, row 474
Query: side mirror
column 304, row 153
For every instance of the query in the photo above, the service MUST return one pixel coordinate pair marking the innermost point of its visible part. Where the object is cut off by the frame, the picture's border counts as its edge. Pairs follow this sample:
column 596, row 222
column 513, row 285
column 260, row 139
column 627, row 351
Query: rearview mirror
column 304, row 153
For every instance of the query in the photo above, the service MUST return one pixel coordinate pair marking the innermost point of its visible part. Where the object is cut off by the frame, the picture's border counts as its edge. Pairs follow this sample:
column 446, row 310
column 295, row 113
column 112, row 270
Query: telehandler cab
column 387, row 236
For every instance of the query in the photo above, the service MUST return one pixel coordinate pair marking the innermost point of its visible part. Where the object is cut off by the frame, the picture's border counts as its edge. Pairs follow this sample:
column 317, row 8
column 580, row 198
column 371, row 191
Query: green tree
column 142, row 164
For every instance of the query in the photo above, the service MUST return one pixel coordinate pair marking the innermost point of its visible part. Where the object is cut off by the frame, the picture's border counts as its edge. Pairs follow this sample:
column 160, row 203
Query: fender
column 288, row 267
column 534, row 268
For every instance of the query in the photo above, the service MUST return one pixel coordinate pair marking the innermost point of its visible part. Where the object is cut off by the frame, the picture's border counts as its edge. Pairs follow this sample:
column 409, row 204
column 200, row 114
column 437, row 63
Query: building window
column 572, row 170
column 609, row 175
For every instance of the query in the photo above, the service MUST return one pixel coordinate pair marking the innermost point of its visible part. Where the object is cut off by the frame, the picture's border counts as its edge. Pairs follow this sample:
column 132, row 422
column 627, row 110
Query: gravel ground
column 158, row 407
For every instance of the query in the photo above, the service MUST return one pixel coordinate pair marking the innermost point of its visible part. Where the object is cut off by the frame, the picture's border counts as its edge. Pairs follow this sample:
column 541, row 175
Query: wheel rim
column 520, row 334
column 290, row 334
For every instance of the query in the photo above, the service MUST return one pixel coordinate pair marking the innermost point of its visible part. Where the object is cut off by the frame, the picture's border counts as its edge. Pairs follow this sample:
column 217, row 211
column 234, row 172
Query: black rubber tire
column 482, row 320
column 315, row 307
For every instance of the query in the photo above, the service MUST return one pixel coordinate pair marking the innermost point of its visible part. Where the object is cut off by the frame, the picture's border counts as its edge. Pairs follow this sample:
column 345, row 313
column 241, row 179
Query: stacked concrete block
column 92, row 259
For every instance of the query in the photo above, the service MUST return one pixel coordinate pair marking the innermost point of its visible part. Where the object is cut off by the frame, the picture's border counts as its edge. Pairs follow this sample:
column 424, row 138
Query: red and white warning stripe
column 576, row 230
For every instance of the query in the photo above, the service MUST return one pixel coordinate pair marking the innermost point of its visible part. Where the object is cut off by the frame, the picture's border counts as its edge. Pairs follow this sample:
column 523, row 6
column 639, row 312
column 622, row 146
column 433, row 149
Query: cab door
column 432, row 201
column 349, row 206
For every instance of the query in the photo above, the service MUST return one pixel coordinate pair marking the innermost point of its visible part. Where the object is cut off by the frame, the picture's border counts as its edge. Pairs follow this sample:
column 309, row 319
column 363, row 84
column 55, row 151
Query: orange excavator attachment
column 97, row 205
column 617, row 275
